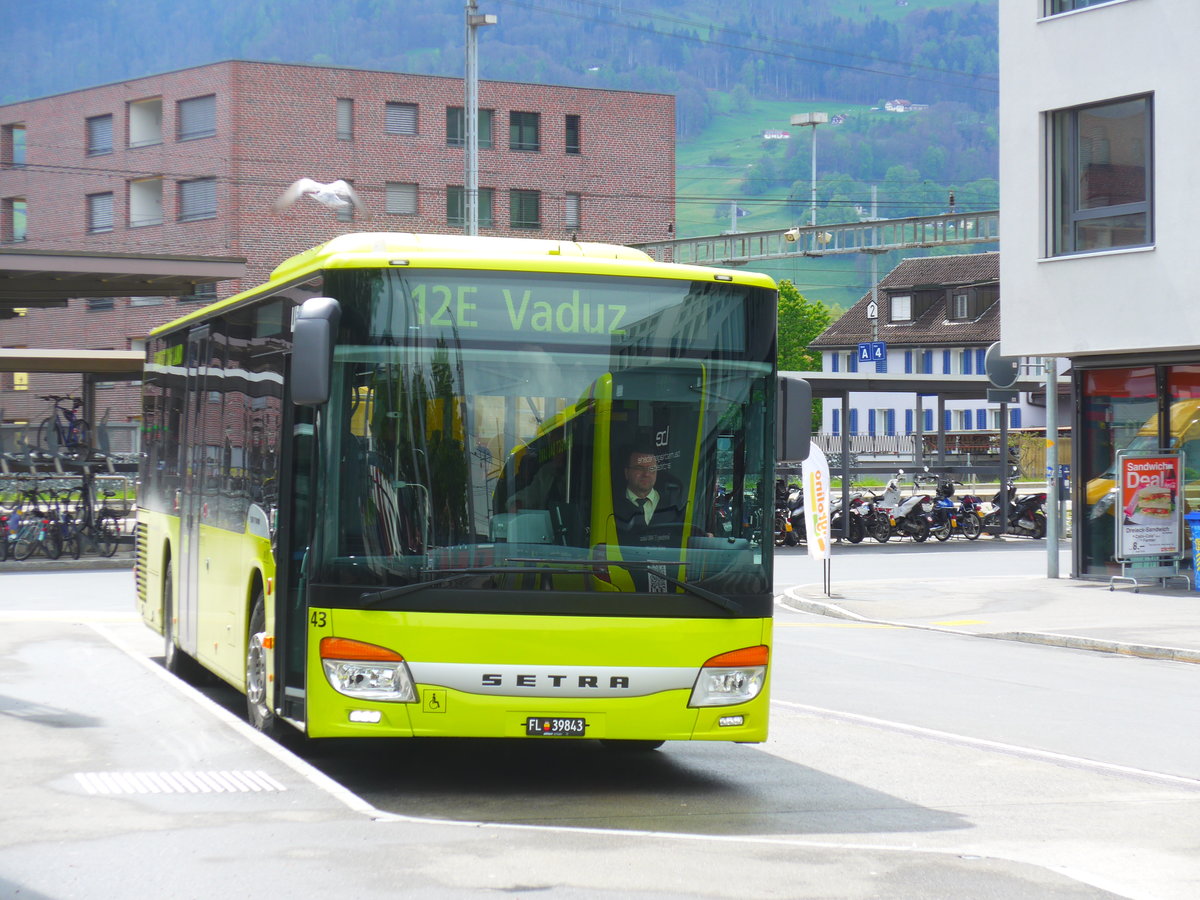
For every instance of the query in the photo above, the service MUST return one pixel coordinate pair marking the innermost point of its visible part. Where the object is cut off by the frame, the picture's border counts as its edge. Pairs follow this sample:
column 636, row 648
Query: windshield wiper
column 374, row 598
column 655, row 567
column 572, row 567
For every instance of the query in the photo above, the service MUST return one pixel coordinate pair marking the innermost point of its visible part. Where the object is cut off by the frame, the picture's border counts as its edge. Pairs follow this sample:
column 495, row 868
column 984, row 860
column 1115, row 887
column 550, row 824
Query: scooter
column 911, row 516
column 1026, row 515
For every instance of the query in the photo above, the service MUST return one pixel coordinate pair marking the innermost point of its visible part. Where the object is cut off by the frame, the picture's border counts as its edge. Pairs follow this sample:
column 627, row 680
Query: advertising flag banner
column 1148, row 508
column 815, row 471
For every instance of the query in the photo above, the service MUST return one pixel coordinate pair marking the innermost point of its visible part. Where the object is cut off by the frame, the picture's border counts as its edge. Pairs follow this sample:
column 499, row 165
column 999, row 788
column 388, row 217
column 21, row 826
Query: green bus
column 431, row 485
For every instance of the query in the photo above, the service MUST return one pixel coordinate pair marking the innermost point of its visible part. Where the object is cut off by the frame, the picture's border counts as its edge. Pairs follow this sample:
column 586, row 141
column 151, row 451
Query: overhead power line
column 764, row 51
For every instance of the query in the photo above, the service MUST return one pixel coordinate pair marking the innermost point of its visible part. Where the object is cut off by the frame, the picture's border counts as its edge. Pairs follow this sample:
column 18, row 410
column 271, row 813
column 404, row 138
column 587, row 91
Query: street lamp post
column 471, row 120
column 814, row 119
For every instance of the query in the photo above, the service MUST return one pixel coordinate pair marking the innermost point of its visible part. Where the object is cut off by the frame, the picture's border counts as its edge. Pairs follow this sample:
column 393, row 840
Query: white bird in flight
column 336, row 195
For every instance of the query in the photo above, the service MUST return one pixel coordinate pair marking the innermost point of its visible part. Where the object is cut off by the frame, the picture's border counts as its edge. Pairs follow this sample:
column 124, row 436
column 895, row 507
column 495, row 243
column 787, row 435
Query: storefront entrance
column 1141, row 408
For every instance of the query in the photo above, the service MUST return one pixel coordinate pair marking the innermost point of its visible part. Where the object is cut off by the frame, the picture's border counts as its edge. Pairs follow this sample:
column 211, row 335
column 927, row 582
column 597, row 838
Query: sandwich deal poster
column 1148, row 521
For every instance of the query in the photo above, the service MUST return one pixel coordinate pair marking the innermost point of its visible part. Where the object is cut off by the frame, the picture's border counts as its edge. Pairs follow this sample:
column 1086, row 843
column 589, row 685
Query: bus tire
column 175, row 659
column 258, row 701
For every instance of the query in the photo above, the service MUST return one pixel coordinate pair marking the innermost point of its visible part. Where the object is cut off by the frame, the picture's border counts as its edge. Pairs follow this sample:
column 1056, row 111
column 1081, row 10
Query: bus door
column 191, row 468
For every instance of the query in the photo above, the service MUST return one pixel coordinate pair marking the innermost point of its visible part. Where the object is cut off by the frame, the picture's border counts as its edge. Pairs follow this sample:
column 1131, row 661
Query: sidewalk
column 1155, row 622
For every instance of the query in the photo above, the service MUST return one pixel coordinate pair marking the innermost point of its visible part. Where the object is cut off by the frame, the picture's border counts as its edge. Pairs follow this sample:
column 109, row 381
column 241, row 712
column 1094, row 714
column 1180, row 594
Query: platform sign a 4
column 872, row 351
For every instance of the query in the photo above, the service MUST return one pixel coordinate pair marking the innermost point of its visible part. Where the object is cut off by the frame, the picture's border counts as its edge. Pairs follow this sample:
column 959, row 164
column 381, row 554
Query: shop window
column 1119, row 412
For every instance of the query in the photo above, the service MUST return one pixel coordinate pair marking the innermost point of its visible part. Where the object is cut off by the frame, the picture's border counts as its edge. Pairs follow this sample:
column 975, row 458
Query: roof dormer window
column 901, row 308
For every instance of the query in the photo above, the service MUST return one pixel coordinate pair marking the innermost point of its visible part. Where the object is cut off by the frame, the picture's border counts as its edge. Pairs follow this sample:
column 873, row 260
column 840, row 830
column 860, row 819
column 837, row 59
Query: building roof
column 51, row 277
column 934, row 325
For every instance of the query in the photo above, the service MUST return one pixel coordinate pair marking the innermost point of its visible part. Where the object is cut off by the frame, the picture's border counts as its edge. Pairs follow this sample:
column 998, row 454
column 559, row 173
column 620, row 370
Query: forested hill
column 854, row 51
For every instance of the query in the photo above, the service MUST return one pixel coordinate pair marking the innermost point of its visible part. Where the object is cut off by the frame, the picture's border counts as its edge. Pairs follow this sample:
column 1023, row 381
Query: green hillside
column 730, row 164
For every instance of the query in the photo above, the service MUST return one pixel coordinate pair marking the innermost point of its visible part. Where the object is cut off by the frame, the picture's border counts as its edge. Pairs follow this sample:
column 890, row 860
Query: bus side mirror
column 793, row 418
column 312, row 350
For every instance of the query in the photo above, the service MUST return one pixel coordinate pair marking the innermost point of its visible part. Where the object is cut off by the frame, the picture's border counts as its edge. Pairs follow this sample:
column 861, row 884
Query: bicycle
column 106, row 526
column 37, row 529
column 64, row 520
column 65, row 431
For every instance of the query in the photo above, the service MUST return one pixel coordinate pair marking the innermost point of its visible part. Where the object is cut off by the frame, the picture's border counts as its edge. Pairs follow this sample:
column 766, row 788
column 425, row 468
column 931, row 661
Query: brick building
column 189, row 162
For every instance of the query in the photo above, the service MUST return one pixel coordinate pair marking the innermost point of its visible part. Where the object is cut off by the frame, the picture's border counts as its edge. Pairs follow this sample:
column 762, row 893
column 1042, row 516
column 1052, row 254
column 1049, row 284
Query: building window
column 523, row 131
column 99, row 135
column 145, row 202
column 99, row 304
column 147, row 301
column 1054, row 7
column 197, row 199
column 12, row 149
column 572, row 137
column 456, row 129
column 345, row 119
column 1101, row 168
column 400, row 199
column 572, row 212
column 961, row 306
column 12, row 228
column 145, row 122
column 197, row 118
column 901, row 308
column 100, row 212
column 201, row 293
column 456, row 209
column 524, row 209
column 401, row 118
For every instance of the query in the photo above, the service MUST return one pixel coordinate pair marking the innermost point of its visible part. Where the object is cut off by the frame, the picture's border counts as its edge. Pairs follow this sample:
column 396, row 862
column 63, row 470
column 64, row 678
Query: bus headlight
column 730, row 678
column 366, row 671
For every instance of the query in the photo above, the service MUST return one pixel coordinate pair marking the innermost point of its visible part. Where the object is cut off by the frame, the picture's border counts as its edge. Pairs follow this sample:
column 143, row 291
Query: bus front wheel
column 258, row 700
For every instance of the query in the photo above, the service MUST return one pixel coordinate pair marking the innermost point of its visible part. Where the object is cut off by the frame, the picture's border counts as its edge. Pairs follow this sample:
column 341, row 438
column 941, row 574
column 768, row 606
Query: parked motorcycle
column 785, row 533
column 950, row 518
column 855, row 528
column 910, row 516
column 876, row 521
column 1026, row 514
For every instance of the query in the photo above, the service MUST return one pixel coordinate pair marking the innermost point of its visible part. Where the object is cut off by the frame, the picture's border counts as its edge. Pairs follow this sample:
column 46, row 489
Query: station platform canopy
column 49, row 278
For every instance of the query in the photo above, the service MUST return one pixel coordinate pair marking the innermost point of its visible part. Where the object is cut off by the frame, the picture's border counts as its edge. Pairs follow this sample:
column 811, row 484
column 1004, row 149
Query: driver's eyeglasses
column 643, row 468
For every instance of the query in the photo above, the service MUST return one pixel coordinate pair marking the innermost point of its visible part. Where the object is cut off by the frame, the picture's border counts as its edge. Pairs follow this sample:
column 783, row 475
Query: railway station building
column 189, row 162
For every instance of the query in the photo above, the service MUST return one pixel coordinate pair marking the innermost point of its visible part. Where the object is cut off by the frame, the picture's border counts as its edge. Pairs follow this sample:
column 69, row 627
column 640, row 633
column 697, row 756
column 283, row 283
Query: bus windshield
column 514, row 438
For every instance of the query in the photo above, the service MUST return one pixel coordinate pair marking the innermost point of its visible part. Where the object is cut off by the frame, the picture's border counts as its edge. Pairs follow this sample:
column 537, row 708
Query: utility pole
column 812, row 120
column 1050, row 364
column 471, row 119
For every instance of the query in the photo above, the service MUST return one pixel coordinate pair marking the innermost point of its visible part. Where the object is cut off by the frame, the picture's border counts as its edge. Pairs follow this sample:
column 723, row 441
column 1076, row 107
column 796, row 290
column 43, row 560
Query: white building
column 936, row 316
column 1099, row 183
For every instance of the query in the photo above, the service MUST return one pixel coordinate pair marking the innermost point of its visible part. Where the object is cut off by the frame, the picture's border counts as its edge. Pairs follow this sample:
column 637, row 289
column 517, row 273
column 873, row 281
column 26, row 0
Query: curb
column 1071, row 642
column 86, row 564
